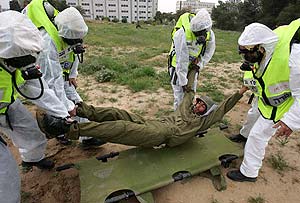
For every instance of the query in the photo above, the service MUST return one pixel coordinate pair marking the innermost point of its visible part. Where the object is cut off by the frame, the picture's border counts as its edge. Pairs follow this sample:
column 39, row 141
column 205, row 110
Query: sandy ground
column 62, row 187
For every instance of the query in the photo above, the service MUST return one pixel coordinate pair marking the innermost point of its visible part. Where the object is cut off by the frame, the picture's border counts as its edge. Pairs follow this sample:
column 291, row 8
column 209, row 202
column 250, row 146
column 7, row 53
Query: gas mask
column 76, row 47
column 250, row 57
column 201, row 36
column 29, row 70
column 27, row 66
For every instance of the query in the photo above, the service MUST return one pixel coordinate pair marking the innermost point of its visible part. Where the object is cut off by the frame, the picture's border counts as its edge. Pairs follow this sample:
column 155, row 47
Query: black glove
column 195, row 66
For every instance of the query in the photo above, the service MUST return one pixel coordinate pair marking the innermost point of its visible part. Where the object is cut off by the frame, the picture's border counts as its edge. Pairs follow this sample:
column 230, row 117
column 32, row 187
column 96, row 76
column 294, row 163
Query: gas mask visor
column 250, row 55
column 29, row 71
column 77, row 47
column 27, row 65
column 201, row 36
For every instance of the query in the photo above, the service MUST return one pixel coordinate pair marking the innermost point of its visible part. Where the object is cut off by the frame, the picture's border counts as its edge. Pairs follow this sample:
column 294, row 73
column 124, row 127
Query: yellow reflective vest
column 8, row 93
column 184, row 22
column 36, row 12
column 273, row 85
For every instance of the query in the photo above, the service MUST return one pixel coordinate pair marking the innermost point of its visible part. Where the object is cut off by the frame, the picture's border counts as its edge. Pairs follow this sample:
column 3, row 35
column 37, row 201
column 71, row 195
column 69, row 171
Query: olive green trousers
column 119, row 126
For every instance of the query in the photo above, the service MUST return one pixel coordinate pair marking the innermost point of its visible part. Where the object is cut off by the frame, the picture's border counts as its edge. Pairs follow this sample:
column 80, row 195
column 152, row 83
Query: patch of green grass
column 83, row 96
column 224, row 85
column 282, row 141
column 207, row 75
column 113, row 91
column 214, row 200
column 278, row 162
column 226, row 47
column 113, row 100
column 258, row 199
column 122, row 54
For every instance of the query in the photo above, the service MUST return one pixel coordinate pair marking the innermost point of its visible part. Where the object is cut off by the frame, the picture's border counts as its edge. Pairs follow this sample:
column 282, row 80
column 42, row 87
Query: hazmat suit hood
column 71, row 24
column 18, row 35
column 210, row 104
column 259, row 34
column 201, row 21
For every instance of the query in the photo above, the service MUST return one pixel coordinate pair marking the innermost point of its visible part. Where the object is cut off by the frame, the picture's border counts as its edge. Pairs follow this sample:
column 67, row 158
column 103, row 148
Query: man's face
column 200, row 108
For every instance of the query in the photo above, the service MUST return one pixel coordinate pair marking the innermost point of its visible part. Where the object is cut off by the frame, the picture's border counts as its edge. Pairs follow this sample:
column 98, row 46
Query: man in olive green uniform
column 119, row 126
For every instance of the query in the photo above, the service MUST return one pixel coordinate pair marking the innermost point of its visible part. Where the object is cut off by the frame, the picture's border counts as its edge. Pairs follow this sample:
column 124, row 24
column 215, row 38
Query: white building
column 132, row 10
column 194, row 5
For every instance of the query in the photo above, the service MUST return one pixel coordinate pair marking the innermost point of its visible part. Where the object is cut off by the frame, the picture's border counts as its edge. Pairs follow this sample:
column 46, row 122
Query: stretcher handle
column 104, row 157
column 125, row 195
column 227, row 159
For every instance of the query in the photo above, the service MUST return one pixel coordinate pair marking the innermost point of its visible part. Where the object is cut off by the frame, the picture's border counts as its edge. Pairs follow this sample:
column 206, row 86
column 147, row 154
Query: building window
column 111, row 4
column 85, row 4
column 71, row 4
column 97, row 10
column 98, row 4
column 124, row 11
column 112, row 11
column 124, row 5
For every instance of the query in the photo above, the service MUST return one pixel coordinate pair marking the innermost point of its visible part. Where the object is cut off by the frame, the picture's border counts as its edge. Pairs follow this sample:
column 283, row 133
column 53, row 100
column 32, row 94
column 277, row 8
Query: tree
column 163, row 17
column 60, row 5
column 249, row 12
column 180, row 12
column 80, row 9
column 124, row 20
column 288, row 14
column 225, row 16
column 158, row 17
column 271, row 10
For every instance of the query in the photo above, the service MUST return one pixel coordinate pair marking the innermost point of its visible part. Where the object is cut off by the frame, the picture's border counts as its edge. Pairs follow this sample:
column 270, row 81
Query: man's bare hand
column 73, row 81
column 243, row 89
column 73, row 112
column 282, row 129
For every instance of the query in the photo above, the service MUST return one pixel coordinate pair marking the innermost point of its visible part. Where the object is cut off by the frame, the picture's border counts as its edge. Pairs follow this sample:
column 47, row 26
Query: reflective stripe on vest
column 7, row 90
column 273, row 86
column 250, row 82
column 66, row 59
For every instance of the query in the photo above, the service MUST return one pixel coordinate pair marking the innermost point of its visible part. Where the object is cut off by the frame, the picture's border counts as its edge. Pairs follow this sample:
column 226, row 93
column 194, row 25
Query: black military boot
column 44, row 164
column 91, row 142
column 52, row 126
column 238, row 138
column 236, row 175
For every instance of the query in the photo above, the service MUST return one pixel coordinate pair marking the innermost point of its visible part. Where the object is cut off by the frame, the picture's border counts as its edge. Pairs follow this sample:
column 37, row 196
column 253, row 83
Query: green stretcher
column 138, row 171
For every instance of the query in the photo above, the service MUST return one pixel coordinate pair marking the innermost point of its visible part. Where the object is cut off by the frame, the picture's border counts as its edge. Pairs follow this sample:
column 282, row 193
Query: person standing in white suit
column 273, row 57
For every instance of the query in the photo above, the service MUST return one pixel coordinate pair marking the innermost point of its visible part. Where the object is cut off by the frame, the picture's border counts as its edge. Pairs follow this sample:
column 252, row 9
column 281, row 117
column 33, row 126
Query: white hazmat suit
column 262, row 131
column 18, row 38
column 199, row 22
